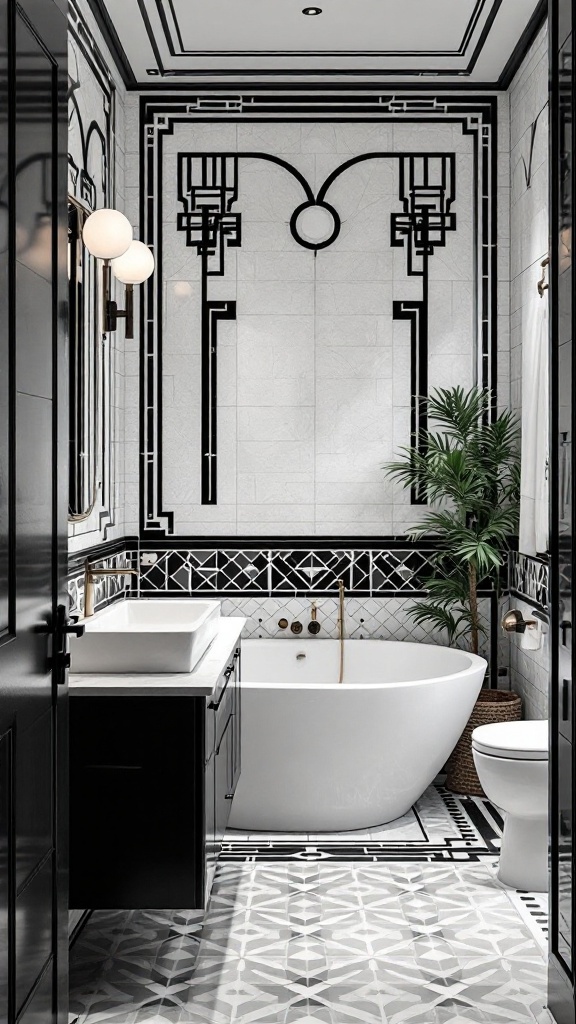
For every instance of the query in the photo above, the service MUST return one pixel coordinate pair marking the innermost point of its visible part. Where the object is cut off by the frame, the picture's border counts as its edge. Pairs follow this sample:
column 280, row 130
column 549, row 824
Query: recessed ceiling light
column 312, row 10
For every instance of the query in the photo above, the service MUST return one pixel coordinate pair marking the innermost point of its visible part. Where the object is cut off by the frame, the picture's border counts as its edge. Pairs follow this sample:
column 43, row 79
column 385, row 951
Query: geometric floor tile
column 295, row 942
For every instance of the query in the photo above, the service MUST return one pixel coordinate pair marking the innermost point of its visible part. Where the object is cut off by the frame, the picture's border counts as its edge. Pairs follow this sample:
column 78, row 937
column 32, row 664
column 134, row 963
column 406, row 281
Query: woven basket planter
column 491, row 706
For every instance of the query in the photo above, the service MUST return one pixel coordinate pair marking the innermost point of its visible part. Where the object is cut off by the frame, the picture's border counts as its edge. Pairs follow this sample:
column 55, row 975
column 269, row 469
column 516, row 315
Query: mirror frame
column 85, row 370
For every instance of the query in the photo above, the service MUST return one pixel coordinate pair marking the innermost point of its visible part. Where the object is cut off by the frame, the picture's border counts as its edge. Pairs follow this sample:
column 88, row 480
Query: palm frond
column 469, row 469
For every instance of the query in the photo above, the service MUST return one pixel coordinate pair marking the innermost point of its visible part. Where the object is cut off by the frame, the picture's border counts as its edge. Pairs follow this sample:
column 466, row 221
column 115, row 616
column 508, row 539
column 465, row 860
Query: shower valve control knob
column 296, row 627
column 314, row 627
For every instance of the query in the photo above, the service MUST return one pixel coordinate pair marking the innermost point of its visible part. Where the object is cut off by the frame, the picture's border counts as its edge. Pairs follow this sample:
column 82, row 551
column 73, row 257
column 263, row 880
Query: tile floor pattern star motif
column 297, row 943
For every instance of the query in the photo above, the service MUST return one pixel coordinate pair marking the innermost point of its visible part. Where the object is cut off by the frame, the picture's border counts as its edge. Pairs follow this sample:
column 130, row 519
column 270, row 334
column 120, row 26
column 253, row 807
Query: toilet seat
column 523, row 741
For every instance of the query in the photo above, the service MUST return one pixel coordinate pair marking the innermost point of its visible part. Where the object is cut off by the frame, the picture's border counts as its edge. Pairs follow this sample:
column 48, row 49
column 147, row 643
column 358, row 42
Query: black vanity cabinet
column 152, row 780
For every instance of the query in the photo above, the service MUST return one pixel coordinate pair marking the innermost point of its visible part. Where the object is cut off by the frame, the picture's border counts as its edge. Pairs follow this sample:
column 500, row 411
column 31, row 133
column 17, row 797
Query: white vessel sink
column 146, row 636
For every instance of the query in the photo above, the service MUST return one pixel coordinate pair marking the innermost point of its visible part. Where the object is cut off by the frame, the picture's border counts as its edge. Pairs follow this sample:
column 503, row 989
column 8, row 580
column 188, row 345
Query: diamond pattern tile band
column 391, row 572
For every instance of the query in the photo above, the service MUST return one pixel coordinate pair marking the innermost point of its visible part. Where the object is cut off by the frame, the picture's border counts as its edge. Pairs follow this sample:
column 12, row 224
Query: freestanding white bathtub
column 322, row 756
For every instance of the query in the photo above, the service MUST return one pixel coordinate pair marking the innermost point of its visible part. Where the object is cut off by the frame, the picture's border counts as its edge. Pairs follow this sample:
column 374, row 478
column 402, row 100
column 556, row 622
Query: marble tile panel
column 266, row 456
column 276, row 266
column 290, row 391
column 271, row 297
column 275, row 514
column 342, row 363
column 283, row 424
column 343, row 267
column 271, row 138
column 283, row 488
column 373, row 297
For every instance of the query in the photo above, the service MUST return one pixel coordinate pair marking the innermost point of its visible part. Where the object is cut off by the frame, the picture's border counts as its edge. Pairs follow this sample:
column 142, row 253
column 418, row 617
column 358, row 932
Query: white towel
column 535, row 446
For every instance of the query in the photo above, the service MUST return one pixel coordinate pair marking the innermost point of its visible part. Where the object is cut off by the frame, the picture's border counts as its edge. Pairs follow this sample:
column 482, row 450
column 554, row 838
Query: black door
column 33, row 932
column 563, row 693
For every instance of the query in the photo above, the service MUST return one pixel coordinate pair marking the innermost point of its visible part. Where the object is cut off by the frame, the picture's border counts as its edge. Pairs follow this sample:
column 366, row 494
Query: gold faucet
column 340, row 609
column 341, row 627
column 91, row 573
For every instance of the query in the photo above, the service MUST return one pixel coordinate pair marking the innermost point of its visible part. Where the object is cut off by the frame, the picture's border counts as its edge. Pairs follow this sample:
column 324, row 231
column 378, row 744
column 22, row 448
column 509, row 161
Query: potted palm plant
column 469, row 471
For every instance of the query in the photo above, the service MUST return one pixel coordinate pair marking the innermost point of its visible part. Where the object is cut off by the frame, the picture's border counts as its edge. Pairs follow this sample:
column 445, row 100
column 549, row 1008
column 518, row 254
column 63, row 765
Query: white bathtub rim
column 476, row 663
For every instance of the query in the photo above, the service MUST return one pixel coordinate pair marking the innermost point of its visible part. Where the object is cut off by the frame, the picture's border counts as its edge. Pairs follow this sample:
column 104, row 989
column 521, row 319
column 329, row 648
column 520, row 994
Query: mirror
column 85, row 374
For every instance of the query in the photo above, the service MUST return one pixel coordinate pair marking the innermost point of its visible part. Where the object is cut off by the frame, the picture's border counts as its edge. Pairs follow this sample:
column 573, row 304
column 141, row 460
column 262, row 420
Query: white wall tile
column 529, row 233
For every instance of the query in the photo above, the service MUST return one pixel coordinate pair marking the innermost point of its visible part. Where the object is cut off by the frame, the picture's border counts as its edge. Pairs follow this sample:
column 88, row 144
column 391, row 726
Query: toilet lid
column 522, row 740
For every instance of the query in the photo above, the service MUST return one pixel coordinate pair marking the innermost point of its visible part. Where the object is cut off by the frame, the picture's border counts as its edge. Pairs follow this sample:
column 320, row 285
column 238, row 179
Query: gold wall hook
column 542, row 283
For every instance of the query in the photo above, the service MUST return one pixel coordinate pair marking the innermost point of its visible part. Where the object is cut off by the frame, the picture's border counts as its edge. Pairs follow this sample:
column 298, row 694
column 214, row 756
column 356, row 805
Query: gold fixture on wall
column 542, row 283
column 514, row 622
column 341, row 627
column 314, row 626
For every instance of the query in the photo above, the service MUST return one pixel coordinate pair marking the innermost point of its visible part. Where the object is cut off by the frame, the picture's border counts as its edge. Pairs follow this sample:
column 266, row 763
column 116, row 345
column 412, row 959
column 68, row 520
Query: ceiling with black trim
column 177, row 41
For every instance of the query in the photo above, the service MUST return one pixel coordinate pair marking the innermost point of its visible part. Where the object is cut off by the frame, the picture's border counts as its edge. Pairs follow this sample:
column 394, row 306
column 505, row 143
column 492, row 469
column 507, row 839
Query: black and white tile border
column 454, row 828
column 386, row 572
column 529, row 578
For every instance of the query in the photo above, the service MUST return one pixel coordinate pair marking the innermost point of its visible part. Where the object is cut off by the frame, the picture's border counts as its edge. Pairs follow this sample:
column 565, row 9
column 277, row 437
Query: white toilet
column 511, row 759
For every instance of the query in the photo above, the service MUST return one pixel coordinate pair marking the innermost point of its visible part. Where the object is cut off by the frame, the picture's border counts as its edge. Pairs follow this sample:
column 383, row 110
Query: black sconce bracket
column 111, row 312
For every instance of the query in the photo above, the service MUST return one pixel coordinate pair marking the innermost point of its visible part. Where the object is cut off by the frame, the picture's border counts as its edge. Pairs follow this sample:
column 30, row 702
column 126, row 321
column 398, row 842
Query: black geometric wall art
column 427, row 191
column 473, row 115
column 416, row 313
column 207, row 190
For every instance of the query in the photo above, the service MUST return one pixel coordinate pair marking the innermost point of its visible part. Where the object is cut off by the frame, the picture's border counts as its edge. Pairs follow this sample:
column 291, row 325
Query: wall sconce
column 133, row 267
column 108, row 236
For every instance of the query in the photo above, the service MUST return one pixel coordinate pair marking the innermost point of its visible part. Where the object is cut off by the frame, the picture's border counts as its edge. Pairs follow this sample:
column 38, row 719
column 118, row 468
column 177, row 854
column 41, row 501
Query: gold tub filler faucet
column 314, row 626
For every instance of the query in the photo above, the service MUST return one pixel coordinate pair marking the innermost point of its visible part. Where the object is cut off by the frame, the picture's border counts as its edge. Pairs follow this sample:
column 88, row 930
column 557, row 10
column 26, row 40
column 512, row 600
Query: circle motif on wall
column 315, row 225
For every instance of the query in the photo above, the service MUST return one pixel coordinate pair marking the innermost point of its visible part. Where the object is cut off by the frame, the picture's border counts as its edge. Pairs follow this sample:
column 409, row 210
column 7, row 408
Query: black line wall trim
column 354, row 76
column 475, row 116
column 476, row 30
column 91, row 177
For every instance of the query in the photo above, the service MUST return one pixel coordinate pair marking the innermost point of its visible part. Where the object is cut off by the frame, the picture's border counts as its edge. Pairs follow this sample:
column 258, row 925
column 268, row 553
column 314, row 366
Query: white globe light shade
column 107, row 234
column 135, row 265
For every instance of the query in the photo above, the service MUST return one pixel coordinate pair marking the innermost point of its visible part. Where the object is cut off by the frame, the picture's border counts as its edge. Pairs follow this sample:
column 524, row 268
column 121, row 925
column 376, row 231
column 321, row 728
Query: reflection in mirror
column 85, row 369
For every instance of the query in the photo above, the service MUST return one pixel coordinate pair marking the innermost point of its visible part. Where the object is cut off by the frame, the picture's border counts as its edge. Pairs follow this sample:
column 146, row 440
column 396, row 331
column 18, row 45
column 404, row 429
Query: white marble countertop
column 199, row 683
